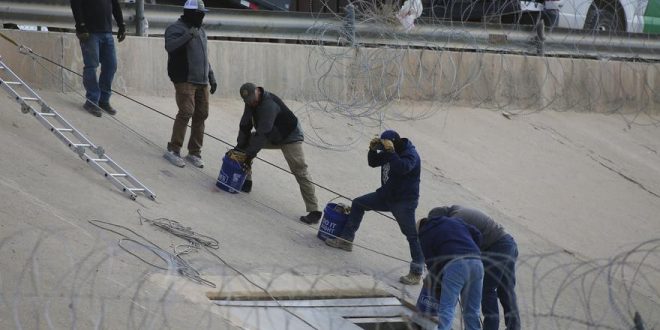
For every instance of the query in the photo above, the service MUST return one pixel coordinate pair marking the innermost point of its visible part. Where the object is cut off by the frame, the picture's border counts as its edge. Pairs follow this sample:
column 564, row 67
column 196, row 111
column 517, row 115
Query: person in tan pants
column 275, row 127
column 189, row 69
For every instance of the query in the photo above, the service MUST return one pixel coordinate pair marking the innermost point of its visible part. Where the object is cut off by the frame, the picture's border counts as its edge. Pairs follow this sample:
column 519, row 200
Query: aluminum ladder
column 92, row 154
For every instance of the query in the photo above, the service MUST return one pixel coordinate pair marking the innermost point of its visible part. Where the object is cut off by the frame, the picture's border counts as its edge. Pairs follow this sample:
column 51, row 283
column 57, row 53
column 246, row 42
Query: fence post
column 139, row 18
column 349, row 24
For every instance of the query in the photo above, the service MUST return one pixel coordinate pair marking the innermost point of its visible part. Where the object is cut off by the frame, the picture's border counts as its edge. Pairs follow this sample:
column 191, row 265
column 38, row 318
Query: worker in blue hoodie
column 499, row 252
column 399, row 193
column 451, row 248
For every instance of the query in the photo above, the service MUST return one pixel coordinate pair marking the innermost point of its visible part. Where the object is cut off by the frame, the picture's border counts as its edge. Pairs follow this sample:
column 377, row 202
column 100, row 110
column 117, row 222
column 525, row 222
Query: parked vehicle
column 611, row 15
column 277, row 5
column 498, row 11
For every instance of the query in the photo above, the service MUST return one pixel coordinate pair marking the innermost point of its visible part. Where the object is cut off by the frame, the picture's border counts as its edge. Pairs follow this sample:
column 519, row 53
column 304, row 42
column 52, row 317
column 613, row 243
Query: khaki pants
column 294, row 156
column 193, row 102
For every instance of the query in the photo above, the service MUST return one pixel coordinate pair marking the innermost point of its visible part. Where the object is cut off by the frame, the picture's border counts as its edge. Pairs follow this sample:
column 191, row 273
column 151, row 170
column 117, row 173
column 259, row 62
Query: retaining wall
column 375, row 76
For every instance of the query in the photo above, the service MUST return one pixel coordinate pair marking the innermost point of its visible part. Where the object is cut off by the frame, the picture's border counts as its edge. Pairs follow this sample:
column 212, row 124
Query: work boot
column 107, row 108
column 92, row 108
column 411, row 279
column 312, row 218
column 195, row 160
column 247, row 186
column 339, row 243
column 174, row 158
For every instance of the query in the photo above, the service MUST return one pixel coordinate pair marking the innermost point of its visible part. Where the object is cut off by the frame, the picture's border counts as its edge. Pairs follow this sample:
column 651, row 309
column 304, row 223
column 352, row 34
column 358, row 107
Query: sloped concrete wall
column 378, row 75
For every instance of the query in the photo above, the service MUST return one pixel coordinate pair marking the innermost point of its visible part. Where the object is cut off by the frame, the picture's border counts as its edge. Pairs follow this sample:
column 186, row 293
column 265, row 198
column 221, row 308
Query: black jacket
column 273, row 122
column 96, row 15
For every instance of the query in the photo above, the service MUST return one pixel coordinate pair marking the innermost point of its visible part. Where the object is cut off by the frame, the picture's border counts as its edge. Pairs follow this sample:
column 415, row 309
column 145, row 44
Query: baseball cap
column 390, row 135
column 248, row 92
column 196, row 5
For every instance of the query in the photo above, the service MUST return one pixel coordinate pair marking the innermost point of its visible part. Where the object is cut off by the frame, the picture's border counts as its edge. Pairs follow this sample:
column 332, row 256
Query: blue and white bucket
column 231, row 177
column 334, row 219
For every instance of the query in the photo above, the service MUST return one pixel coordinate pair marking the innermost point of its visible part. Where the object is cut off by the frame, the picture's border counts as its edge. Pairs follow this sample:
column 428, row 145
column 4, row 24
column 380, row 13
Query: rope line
column 174, row 262
column 30, row 51
column 197, row 241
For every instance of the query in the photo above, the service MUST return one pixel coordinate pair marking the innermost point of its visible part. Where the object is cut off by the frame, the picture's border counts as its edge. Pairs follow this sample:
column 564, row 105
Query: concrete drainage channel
column 345, row 309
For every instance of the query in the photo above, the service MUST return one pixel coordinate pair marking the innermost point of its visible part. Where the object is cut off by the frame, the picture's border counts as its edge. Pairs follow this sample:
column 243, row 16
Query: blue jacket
column 399, row 174
column 445, row 238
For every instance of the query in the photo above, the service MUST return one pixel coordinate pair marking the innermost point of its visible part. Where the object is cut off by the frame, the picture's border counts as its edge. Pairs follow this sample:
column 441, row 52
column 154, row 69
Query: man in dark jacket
column 276, row 127
column 189, row 69
column 451, row 248
column 499, row 252
column 399, row 193
column 94, row 30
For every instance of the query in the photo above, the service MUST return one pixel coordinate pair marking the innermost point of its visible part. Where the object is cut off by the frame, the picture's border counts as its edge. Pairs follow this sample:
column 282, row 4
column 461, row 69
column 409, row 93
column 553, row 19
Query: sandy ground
column 574, row 189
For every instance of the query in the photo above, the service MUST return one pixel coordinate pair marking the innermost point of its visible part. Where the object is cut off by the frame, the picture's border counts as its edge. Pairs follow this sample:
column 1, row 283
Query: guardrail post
column 139, row 18
column 539, row 38
column 349, row 24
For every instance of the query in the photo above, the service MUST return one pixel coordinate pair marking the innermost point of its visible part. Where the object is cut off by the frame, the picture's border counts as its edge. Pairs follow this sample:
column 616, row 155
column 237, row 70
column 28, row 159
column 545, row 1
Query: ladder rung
column 84, row 148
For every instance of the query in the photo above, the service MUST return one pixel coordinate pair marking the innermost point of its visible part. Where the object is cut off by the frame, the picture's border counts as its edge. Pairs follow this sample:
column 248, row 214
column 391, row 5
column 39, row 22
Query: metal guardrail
column 336, row 30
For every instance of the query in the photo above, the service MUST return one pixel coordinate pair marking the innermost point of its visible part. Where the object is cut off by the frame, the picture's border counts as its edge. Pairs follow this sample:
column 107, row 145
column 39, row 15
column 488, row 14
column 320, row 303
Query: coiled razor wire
column 571, row 303
column 375, row 76
column 174, row 262
column 195, row 240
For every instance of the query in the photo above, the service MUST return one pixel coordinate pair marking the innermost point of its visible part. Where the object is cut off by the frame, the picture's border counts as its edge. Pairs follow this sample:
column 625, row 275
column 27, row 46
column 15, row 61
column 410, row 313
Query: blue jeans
column 461, row 277
column 403, row 212
column 99, row 49
column 499, row 282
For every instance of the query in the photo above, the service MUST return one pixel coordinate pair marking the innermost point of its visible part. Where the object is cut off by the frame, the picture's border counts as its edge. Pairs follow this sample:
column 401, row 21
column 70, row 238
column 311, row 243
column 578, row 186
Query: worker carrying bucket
column 233, row 172
column 334, row 218
column 267, row 123
column 399, row 193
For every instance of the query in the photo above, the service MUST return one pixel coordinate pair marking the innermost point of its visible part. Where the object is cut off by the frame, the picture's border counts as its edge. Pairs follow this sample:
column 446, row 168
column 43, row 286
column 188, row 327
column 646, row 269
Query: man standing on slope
column 94, row 30
column 189, row 69
column 275, row 127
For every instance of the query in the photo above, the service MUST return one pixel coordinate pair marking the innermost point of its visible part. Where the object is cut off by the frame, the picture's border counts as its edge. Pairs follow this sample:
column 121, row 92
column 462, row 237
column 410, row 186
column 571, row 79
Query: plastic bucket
column 426, row 303
column 334, row 219
column 231, row 177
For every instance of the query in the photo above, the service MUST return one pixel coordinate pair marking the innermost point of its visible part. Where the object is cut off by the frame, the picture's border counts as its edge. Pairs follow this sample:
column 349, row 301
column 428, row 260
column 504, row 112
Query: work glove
column 247, row 164
column 214, row 86
column 82, row 33
column 236, row 155
column 374, row 144
column 121, row 33
column 194, row 31
column 388, row 145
